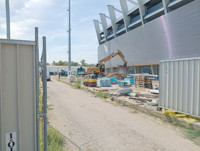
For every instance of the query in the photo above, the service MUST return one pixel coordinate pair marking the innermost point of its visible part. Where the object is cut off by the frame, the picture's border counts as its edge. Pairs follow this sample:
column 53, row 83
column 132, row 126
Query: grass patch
column 103, row 95
column 55, row 140
column 77, row 85
column 193, row 135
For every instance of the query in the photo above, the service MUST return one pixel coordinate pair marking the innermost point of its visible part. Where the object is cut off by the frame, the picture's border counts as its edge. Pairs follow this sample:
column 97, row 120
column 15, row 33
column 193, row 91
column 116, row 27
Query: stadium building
column 151, row 31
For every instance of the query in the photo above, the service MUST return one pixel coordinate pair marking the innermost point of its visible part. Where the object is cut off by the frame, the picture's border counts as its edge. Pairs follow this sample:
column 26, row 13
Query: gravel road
column 90, row 124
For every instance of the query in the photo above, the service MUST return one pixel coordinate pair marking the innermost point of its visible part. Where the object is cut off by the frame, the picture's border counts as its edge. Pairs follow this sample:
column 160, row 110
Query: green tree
column 83, row 63
column 74, row 63
column 61, row 63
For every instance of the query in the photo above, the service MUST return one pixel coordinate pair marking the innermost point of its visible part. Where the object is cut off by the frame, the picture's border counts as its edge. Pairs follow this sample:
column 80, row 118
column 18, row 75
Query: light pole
column 7, row 18
column 69, row 64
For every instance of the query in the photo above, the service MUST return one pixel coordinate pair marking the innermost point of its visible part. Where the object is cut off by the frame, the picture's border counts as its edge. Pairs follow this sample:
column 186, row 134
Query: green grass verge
column 55, row 140
column 193, row 135
column 102, row 94
column 77, row 85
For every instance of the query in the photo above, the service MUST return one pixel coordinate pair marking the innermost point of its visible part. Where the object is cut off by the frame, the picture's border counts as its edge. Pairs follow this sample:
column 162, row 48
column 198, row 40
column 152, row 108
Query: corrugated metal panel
column 17, row 94
column 180, row 86
column 172, row 36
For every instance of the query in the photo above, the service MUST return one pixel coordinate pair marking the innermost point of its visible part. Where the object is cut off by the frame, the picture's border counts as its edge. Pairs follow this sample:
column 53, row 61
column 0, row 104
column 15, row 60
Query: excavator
column 100, row 67
column 93, row 73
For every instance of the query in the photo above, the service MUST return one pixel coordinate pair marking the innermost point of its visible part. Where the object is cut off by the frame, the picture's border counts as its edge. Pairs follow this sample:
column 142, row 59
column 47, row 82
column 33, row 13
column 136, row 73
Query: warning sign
column 11, row 144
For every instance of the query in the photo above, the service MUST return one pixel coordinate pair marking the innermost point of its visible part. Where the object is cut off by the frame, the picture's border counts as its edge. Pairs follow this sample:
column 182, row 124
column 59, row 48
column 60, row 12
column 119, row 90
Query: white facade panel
column 180, row 86
column 172, row 36
column 17, row 96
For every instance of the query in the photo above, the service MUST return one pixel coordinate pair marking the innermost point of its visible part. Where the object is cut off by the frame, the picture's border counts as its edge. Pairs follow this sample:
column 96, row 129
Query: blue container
column 113, row 80
column 129, row 79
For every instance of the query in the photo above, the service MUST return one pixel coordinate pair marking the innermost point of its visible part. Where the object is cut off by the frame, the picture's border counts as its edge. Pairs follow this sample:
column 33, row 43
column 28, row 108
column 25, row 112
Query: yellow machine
column 90, row 80
column 100, row 67
column 92, row 73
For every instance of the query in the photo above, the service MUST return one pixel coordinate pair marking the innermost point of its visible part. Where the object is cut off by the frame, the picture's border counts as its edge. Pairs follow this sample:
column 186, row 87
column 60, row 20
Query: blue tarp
column 103, row 82
column 123, row 83
column 129, row 79
column 113, row 80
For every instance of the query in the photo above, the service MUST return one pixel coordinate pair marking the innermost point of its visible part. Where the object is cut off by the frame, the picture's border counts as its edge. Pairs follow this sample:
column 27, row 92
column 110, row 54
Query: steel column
column 37, row 89
column 45, row 93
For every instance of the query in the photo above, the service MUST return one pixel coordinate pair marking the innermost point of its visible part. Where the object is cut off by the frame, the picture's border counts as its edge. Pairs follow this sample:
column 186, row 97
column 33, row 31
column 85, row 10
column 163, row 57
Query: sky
column 51, row 17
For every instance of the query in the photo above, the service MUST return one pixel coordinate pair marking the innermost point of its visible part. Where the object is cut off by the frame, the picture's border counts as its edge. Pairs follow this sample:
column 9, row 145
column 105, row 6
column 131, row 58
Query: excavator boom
column 97, row 69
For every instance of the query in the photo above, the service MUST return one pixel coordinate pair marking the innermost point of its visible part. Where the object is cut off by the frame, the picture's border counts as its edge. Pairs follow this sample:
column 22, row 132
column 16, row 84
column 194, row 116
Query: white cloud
column 51, row 18
column 22, row 28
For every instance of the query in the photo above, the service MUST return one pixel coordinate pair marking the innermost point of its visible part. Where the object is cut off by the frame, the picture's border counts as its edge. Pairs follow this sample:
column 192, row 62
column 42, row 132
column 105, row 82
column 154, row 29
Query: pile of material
column 118, row 76
column 71, row 78
column 124, row 91
column 143, row 81
column 103, row 82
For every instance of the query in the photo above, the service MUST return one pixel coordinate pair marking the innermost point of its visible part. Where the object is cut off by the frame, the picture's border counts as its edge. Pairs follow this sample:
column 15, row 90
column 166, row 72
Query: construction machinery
column 94, row 72
column 100, row 67
column 90, row 80
column 80, row 71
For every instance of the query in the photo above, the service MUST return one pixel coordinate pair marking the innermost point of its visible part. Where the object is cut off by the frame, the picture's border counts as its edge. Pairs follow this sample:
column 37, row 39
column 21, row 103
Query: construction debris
column 141, row 98
column 118, row 76
column 71, row 78
column 132, row 94
column 154, row 102
column 124, row 91
column 154, row 91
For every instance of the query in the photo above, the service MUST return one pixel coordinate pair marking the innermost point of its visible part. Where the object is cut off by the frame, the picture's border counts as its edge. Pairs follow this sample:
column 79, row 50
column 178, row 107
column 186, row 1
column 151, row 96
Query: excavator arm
column 111, row 56
column 97, row 69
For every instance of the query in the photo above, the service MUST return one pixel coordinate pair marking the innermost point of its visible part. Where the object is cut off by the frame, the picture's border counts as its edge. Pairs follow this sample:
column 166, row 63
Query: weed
column 55, row 140
column 50, row 107
column 103, row 95
column 77, row 85
column 193, row 135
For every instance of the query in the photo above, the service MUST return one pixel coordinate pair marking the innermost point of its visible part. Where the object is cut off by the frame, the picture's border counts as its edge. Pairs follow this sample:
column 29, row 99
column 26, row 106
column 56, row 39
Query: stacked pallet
column 143, row 81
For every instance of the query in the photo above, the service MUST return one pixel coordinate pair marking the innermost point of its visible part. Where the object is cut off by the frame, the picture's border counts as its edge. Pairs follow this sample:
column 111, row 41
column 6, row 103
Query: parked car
column 48, row 76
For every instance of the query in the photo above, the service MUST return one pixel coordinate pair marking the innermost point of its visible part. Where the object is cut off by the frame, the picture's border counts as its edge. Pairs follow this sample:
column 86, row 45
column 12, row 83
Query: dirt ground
column 90, row 124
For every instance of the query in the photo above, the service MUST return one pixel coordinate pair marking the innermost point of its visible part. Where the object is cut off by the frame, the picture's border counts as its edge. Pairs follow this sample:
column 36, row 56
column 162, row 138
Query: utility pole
column 7, row 18
column 69, row 64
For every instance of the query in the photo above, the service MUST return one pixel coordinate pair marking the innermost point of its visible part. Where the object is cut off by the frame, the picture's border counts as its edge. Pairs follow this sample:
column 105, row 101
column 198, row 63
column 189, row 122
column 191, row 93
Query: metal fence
column 180, row 86
column 19, row 95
